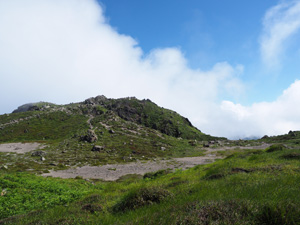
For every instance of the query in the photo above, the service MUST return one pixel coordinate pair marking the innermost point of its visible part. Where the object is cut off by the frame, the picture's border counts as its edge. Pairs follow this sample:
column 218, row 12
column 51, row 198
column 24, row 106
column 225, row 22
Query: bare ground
column 113, row 172
column 20, row 148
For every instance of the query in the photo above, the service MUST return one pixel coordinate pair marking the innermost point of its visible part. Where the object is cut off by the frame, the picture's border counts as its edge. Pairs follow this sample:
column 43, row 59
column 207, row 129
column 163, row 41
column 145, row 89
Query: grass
column 247, row 187
column 61, row 132
column 259, row 188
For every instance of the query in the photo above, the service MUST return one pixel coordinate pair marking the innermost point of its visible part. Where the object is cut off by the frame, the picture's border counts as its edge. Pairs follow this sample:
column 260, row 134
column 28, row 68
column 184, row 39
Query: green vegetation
column 123, row 136
column 34, row 126
column 22, row 193
column 248, row 187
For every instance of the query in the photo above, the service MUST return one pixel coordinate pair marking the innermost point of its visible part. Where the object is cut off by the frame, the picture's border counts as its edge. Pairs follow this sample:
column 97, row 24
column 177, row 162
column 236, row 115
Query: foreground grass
column 250, row 187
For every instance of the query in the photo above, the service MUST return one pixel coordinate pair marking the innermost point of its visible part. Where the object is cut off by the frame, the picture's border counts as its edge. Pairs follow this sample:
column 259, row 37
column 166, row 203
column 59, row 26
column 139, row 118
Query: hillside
column 247, row 187
column 233, row 182
column 99, row 131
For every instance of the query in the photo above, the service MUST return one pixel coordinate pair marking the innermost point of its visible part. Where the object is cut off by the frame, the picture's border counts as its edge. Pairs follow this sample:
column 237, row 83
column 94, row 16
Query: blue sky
column 208, row 32
column 231, row 67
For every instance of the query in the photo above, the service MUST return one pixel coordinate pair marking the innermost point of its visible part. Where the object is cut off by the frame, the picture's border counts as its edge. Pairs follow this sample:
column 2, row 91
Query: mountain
column 120, row 129
column 141, row 112
column 250, row 181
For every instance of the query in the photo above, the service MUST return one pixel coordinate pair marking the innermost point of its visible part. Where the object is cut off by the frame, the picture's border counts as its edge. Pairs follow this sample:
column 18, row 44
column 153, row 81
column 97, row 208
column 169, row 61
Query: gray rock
column 5, row 167
column 90, row 137
column 97, row 148
column 38, row 153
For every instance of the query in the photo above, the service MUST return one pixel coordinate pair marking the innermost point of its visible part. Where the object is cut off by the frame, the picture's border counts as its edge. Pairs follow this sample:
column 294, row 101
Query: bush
column 280, row 214
column 292, row 155
column 141, row 197
column 92, row 208
column 215, row 212
column 275, row 148
column 153, row 175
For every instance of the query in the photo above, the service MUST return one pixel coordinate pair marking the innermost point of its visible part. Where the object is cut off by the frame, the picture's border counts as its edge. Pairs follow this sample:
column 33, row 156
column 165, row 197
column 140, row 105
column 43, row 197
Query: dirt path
column 20, row 148
column 114, row 171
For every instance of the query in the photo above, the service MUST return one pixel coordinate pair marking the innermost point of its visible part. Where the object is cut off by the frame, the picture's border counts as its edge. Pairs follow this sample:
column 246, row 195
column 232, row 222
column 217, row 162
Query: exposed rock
column 111, row 131
column 97, row 148
column 292, row 133
column 264, row 137
column 38, row 153
column 162, row 148
column 193, row 143
column 43, row 159
column 5, row 167
column 90, row 137
column 206, row 145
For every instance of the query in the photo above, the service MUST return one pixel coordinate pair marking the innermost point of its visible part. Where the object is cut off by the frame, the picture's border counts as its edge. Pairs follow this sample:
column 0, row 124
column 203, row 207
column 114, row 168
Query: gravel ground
column 112, row 172
column 20, row 148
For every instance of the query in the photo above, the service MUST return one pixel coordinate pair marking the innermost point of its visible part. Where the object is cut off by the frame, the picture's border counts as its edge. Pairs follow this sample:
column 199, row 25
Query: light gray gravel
column 20, row 148
column 112, row 172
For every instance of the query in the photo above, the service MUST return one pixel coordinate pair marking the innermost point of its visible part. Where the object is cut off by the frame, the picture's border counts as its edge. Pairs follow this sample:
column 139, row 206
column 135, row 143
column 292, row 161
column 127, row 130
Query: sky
column 231, row 67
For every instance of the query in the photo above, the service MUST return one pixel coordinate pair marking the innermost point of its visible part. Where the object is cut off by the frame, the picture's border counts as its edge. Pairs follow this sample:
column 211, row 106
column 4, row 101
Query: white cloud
column 65, row 51
column 280, row 23
column 270, row 118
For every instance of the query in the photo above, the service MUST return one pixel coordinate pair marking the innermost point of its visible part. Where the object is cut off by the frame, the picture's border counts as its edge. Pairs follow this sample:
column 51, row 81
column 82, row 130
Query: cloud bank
column 65, row 51
column 280, row 23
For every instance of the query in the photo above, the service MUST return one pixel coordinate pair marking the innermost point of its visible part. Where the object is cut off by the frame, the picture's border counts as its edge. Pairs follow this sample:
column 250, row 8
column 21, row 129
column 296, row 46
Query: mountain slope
column 99, row 131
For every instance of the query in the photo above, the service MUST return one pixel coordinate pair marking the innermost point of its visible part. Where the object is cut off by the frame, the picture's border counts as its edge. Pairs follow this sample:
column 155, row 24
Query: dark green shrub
column 280, row 214
column 92, row 208
column 91, row 199
column 141, row 197
column 153, row 175
column 215, row 176
column 215, row 212
column 276, row 147
column 292, row 155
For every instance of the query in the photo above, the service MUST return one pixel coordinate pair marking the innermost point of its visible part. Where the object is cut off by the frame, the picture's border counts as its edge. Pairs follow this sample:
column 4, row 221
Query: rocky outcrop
column 89, row 137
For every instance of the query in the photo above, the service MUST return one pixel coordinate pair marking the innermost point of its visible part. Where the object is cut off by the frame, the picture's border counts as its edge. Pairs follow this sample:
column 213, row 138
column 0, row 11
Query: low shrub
column 279, row 214
column 215, row 212
column 292, row 155
column 141, row 197
column 153, row 175
column 92, row 208
column 275, row 148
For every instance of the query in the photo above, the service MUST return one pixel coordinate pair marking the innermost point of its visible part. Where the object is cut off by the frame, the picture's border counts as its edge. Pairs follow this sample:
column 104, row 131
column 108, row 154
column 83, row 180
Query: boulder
column 90, row 137
column 292, row 133
column 97, row 148
column 38, row 153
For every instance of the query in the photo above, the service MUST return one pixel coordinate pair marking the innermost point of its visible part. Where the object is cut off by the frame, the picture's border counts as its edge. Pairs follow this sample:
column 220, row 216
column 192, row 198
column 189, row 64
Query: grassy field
column 247, row 187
